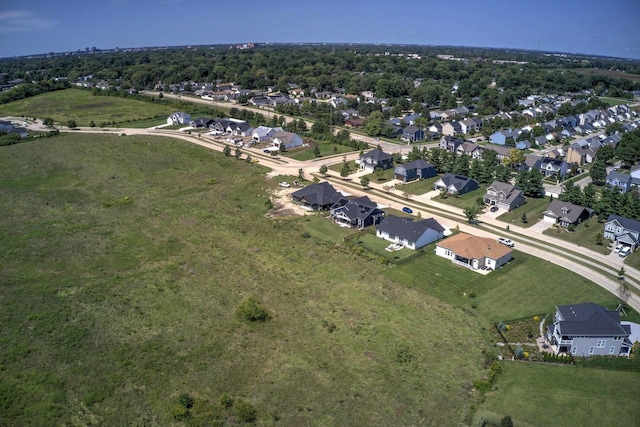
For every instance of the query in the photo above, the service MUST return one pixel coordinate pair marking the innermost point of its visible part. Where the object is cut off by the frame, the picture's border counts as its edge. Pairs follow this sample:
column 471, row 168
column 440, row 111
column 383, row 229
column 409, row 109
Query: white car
column 506, row 242
column 624, row 251
column 284, row 184
column 618, row 247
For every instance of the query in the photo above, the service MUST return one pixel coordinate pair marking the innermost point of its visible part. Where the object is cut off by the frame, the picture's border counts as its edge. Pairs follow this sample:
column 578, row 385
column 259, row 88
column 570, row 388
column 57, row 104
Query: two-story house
column 504, row 196
column 619, row 180
column 358, row 213
column 622, row 230
column 588, row 329
column 375, row 159
column 565, row 214
column 553, row 167
column 416, row 169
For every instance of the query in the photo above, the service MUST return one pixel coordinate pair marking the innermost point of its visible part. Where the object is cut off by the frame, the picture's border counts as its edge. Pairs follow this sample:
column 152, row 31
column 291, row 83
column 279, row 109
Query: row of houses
column 239, row 128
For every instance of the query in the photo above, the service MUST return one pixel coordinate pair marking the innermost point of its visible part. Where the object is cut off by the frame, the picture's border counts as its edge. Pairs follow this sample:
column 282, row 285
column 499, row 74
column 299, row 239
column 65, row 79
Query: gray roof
column 377, row 155
column 362, row 207
column 417, row 164
column 562, row 209
column 589, row 319
column 628, row 224
column 617, row 176
column 510, row 191
column 407, row 229
column 458, row 181
column 322, row 194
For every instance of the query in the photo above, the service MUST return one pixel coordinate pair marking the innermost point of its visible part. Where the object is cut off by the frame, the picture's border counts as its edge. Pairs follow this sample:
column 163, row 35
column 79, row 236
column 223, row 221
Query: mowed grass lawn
column 542, row 394
column 124, row 260
column 80, row 105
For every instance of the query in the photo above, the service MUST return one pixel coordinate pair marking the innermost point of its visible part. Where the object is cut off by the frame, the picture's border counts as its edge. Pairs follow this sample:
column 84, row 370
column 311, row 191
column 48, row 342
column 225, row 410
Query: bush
column 226, row 401
column 186, row 400
column 244, row 411
column 251, row 310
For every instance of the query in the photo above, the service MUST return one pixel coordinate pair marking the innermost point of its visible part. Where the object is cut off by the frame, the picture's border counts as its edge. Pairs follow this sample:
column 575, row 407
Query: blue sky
column 575, row 26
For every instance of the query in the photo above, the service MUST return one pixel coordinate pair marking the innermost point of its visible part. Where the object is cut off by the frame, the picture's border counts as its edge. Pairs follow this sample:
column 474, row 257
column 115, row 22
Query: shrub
column 186, row 400
column 244, row 411
column 226, row 401
column 180, row 413
column 251, row 310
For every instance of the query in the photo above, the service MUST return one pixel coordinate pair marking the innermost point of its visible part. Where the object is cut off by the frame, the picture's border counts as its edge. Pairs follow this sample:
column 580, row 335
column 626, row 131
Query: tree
column 323, row 169
column 71, row 124
column 624, row 292
column 301, row 174
column 516, row 157
column 238, row 152
column 92, row 124
column 251, row 310
column 48, row 122
column 364, row 181
column 316, row 151
column 524, row 218
column 598, row 172
column 344, row 172
column 226, row 150
column 605, row 154
column 472, row 214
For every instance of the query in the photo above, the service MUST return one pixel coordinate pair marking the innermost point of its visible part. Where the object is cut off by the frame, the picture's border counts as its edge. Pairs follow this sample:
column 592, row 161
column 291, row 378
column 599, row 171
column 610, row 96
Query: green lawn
column 532, row 209
column 326, row 149
column 337, row 167
column 613, row 101
column 419, row 187
column 80, row 105
column 378, row 246
column 585, row 235
column 542, row 394
column 123, row 262
column 466, row 200
column 526, row 286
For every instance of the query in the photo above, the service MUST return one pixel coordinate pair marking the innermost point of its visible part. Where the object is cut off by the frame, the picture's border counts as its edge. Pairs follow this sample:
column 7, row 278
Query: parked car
column 618, row 247
column 624, row 251
column 284, row 184
column 506, row 242
column 407, row 210
column 493, row 208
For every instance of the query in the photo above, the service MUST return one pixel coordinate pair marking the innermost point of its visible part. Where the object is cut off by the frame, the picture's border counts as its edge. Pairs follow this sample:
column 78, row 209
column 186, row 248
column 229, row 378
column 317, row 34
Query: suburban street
column 582, row 261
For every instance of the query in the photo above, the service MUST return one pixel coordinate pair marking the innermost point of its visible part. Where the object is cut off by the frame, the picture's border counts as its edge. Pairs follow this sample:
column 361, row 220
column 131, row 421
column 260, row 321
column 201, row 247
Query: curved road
column 592, row 265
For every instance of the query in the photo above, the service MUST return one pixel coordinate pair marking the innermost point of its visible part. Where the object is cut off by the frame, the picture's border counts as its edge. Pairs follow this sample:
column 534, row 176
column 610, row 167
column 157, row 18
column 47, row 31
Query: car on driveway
column 624, row 251
column 618, row 247
column 494, row 208
column 407, row 210
column 506, row 242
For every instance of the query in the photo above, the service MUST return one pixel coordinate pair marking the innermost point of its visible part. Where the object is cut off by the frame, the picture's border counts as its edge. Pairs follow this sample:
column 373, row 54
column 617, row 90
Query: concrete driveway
column 540, row 226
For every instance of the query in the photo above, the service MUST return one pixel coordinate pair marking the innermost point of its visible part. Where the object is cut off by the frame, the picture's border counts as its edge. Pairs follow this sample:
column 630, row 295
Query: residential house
column 320, row 196
column 263, row 133
column 201, row 122
column 504, row 196
column 179, row 118
column 354, row 122
column 287, row 139
column 451, row 128
column 475, row 253
column 455, row 184
column 588, row 329
column 416, row 169
column 356, row 213
column 501, row 137
column 565, row 214
column 375, row 159
column 408, row 233
column 553, row 167
column 471, row 125
column 450, row 143
column 622, row 230
column 412, row 134
column 541, row 140
column 619, row 180
column 240, row 129
column 435, row 128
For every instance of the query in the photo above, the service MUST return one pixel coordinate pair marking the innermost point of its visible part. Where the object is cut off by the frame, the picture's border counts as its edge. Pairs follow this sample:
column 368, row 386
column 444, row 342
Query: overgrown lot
column 124, row 262
column 80, row 105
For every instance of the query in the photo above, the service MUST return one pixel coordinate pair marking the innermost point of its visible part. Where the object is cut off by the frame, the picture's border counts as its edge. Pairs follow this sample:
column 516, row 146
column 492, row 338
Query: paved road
column 527, row 240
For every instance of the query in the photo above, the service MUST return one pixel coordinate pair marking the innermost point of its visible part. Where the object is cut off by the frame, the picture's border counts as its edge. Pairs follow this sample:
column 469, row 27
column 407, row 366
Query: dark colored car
column 494, row 208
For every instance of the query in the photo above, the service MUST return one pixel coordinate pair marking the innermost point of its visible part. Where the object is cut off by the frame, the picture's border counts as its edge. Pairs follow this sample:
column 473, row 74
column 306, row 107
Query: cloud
column 18, row 21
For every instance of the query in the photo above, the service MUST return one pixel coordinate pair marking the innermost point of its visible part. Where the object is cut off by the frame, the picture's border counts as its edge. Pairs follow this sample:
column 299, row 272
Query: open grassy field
column 542, row 394
column 326, row 149
column 124, row 260
column 80, row 105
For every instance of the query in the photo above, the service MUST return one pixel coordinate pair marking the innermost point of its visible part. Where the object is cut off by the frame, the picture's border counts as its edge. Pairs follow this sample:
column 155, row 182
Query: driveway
column 540, row 226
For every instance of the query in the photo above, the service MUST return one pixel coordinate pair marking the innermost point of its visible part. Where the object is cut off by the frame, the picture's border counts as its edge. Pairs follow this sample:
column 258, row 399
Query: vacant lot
column 542, row 394
column 80, row 105
column 124, row 260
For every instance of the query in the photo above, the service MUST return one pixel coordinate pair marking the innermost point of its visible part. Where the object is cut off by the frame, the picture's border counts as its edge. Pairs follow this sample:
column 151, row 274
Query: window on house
column 612, row 349
column 601, row 343
column 591, row 350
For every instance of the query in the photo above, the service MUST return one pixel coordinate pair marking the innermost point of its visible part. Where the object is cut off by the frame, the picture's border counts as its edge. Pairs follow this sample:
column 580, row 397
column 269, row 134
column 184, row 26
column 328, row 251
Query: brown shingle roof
column 473, row 247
